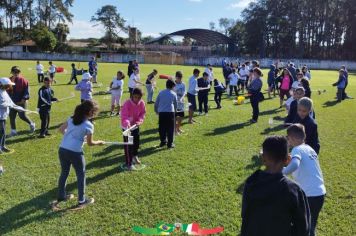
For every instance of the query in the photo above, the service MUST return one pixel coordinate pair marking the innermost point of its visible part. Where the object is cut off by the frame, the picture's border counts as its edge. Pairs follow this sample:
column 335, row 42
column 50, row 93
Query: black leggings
column 132, row 150
column 217, row 99
column 315, row 205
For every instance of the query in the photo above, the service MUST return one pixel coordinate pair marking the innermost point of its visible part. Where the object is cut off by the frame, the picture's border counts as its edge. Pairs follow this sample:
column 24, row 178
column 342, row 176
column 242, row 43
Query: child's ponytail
column 83, row 111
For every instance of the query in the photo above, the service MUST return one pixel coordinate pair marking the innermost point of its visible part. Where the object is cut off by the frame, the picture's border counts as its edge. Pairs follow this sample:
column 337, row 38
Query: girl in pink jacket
column 133, row 113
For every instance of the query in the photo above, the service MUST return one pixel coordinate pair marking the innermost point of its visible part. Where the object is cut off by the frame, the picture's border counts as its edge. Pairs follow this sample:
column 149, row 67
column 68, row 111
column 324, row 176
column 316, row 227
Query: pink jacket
column 132, row 113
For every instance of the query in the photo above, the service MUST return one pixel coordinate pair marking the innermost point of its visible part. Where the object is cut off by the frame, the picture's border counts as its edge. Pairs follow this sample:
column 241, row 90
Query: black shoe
column 171, row 146
column 6, row 150
column 162, row 144
column 253, row 121
column 87, row 202
column 48, row 134
column 41, row 136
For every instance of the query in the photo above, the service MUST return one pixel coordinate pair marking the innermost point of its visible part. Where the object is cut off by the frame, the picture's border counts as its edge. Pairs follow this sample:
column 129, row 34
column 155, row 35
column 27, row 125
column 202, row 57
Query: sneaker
column 67, row 197
column 13, row 133
column 32, row 127
column 201, row 113
column 112, row 113
column 253, row 121
column 5, row 149
column 135, row 160
column 162, row 144
column 48, row 134
column 41, row 136
column 86, row 202
column 131, row 168
column 171, row 146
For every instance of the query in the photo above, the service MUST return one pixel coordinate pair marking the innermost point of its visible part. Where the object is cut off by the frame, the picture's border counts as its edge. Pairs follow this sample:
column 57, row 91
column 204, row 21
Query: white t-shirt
column 234, row 77
column 289, row 101
column 117, row 85
column 73, row 138
column 308, row 175
column 210, row 73
column 52, row 69
column 39, row 69
column 244, row 73
column 132, row 83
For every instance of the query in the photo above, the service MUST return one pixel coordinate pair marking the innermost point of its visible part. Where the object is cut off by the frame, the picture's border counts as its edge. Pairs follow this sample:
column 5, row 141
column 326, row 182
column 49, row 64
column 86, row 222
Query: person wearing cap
column 45, row 99
column 85, row 87
column 93, row 69
column 116, row 88
column 5, row 104
column 39, row 69
column 20, row 96
column 52, row 72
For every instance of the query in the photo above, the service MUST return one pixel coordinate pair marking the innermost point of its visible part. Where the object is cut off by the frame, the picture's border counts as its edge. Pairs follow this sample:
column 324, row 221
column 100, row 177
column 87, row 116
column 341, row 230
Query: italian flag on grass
column 194, row 229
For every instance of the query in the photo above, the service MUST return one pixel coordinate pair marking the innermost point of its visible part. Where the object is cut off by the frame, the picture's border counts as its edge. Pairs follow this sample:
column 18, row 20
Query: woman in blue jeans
column 75, row 130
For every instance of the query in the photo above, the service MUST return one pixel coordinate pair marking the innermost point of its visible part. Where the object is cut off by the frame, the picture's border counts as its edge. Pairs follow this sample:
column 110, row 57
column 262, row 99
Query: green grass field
column 199, row 181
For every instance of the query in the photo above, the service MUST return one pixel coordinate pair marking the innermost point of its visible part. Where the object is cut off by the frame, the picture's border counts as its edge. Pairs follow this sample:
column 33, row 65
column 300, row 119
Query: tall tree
column 109, row 17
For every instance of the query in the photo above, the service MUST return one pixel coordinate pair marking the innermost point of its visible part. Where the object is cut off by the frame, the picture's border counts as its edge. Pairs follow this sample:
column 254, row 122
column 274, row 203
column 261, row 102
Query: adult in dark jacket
column 293, row 71
column 254, row 90
column 20, row 96
column 273, row 205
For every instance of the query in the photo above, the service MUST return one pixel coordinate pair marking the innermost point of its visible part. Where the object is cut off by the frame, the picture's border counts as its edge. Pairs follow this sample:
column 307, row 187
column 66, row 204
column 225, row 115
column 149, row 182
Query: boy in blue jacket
column 45, row 99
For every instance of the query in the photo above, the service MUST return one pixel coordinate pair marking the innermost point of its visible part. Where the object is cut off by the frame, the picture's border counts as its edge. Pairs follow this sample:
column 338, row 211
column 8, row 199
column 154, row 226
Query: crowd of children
column 279, row 205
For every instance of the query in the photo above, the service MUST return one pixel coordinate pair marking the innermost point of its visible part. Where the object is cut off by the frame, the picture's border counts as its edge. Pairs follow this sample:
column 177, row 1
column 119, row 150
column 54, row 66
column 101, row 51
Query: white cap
column 6, row 81
column 87, row 76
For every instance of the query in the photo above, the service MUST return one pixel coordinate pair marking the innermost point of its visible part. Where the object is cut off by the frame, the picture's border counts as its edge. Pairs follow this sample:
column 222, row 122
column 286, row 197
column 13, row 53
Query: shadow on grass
column 149, row 139
column 149, row 131
column 38, row 208
column 227, row 129
column 256, row 163
column 330, row 103
column 113, row 160
column 107, row 150
column 270, row 112
column 274, row 129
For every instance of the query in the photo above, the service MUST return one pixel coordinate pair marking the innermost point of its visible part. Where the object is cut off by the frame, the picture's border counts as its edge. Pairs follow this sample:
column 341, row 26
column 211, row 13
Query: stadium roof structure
column 204, row 37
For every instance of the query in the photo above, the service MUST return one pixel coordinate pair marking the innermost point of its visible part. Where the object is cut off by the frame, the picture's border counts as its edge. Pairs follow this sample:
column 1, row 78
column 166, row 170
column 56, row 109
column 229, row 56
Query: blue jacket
column 271, row 75
column 45, row 98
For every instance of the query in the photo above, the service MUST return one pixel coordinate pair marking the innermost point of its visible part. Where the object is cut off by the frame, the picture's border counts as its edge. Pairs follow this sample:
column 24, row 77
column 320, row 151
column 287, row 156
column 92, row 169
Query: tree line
column 318, row 29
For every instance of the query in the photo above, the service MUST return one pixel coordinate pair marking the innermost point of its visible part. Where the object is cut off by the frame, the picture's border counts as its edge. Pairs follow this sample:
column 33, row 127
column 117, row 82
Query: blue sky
column 155, row 16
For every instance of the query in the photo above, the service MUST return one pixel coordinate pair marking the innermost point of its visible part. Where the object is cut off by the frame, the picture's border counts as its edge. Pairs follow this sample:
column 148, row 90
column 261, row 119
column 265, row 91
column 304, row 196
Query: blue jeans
column 149, row 88
column 68, row 158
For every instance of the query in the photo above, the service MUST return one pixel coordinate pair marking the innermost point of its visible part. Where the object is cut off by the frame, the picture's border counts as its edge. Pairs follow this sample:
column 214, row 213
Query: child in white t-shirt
column 52, row 72
column 116, row 87
column 39, row 69
column 305, row 169
column 234, row 78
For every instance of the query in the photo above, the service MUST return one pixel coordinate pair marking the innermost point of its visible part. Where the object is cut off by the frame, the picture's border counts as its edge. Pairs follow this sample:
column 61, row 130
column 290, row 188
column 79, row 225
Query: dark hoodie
column 273, row 205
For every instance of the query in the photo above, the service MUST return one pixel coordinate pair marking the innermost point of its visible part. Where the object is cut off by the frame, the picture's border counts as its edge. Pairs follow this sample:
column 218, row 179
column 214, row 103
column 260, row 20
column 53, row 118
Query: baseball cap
column 6, row 81
column 86, row 76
